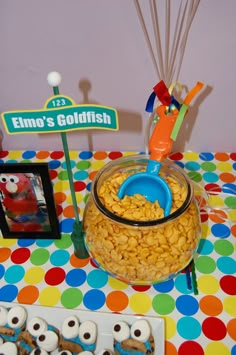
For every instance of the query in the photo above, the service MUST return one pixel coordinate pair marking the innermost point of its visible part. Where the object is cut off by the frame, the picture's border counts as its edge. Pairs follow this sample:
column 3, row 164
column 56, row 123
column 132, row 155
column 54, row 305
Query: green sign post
column 61, row 114
column 64, row 118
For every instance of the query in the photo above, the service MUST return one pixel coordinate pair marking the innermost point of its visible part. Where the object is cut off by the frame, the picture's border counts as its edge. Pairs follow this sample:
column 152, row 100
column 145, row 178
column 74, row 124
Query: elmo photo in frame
column 27, row 207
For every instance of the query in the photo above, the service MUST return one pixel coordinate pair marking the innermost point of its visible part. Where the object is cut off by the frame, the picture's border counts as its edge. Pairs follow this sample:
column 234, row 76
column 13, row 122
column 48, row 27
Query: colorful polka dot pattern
column 47, row 273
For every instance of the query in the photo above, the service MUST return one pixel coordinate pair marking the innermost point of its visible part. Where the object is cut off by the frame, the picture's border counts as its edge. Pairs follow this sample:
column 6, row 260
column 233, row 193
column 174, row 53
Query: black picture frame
column 27, row 207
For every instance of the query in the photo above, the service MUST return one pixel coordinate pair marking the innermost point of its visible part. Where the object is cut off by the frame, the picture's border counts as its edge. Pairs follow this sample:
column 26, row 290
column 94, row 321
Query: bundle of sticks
column 167, row 43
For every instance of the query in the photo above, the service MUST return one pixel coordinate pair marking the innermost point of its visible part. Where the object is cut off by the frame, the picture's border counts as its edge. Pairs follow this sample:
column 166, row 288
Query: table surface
column 47, row 273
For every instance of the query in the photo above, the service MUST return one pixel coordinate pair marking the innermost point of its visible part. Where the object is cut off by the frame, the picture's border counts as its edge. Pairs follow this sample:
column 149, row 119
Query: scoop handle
column 160, row 143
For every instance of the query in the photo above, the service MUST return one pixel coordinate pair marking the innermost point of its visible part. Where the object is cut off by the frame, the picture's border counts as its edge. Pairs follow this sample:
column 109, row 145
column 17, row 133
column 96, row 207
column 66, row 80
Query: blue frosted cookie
column 135, row 339
column 38, row 334
column 78, row 336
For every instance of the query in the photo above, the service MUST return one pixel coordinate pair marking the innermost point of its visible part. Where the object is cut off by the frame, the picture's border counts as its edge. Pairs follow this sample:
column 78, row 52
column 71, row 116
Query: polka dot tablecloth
column 47, row 273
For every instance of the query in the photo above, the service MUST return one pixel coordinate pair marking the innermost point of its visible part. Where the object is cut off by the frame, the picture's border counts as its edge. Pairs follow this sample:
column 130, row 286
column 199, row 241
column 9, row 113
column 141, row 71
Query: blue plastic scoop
column 149, row 183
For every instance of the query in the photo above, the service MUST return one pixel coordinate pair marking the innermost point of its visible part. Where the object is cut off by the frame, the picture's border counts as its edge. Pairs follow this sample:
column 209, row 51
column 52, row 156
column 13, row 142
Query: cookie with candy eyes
column 15, row 319
column 135, row 339
column 27, row 339
column 76, row 336
column 39, row 334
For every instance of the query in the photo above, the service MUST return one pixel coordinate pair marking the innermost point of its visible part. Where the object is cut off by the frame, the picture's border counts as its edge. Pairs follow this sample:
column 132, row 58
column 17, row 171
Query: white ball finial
column 54, row 78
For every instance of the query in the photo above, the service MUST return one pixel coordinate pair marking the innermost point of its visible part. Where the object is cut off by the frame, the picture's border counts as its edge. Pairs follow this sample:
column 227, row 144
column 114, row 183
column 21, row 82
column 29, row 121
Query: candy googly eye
column 88, row 332
column 121, row 331
column 37, row 326
column 65, row 352
column 8, row 348
column 86, row 352
column 70, row 327
column 141, row 330
column 16, row 317
column 3, row 315
column 48, row 341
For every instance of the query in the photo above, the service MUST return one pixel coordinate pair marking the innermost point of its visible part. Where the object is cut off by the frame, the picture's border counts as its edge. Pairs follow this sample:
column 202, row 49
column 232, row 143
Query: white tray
column 104, row 321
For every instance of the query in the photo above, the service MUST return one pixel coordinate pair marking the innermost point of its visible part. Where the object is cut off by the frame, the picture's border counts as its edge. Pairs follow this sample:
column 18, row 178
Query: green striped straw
column 194, row 278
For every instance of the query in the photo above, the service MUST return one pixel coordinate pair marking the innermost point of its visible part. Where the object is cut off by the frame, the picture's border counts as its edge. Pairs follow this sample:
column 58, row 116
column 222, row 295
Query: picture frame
column 27, row 207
